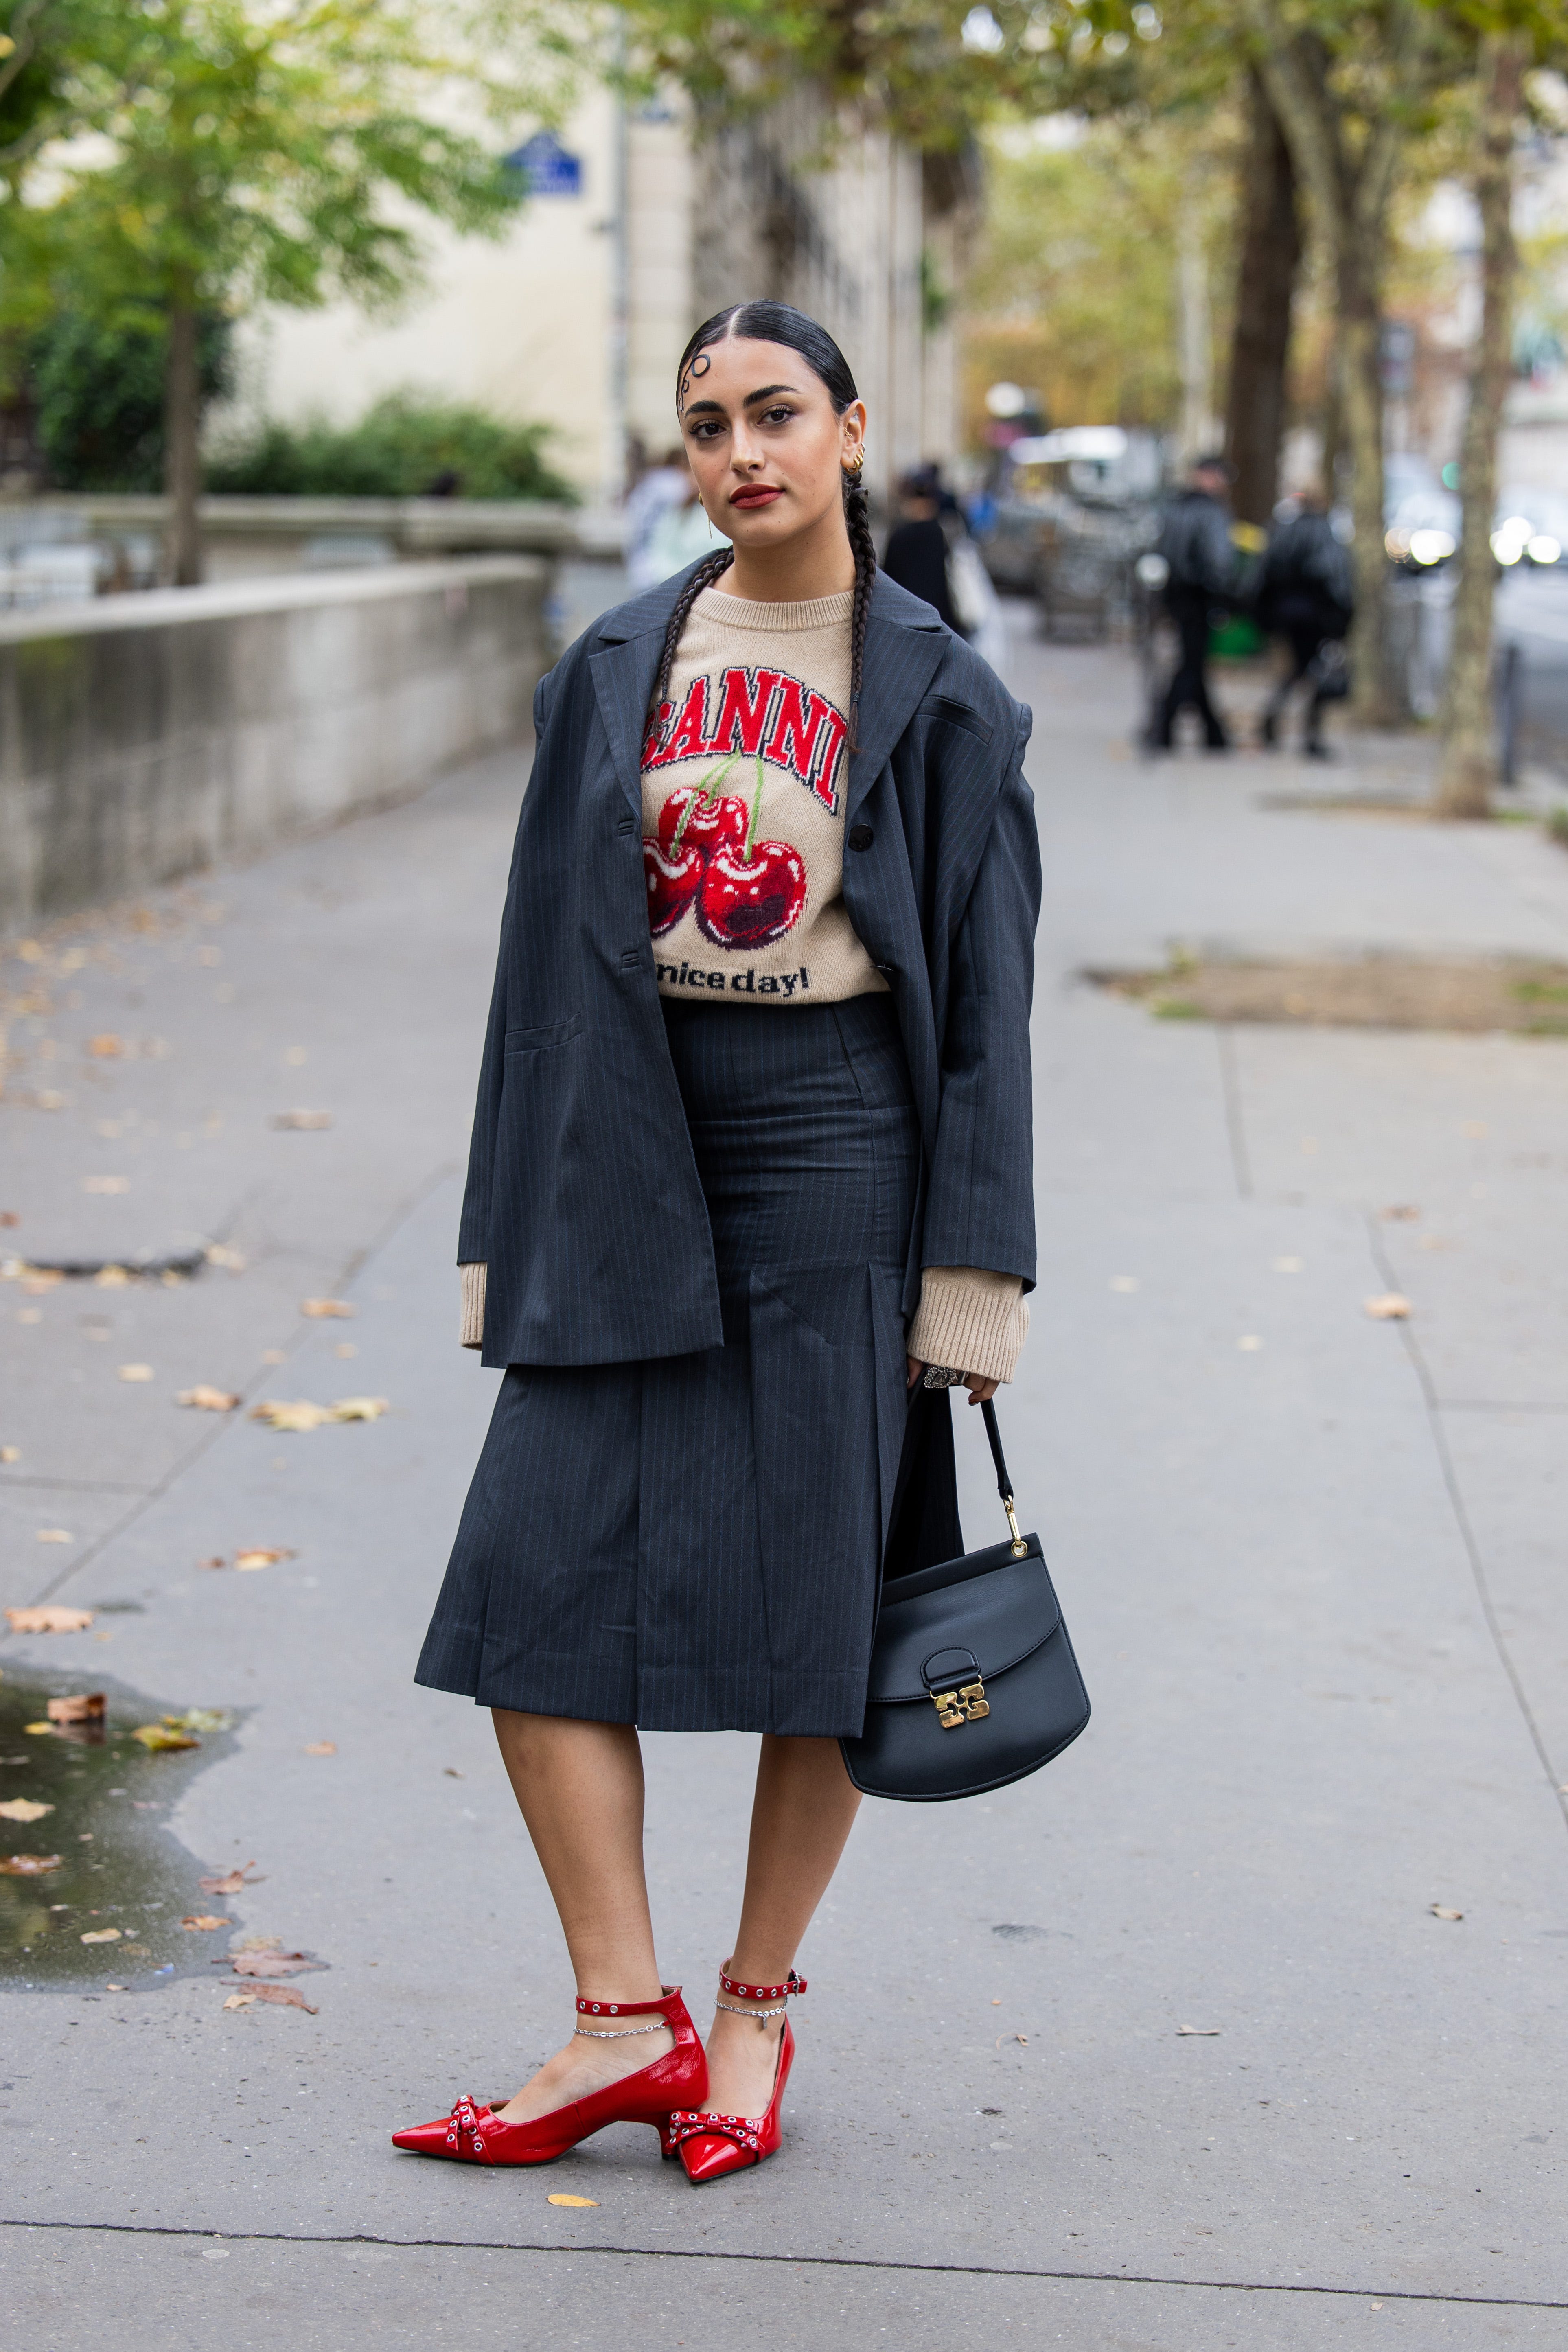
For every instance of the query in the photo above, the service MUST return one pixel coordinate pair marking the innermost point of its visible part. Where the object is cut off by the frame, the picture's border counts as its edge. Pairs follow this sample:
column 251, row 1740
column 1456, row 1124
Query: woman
column 751, row 1153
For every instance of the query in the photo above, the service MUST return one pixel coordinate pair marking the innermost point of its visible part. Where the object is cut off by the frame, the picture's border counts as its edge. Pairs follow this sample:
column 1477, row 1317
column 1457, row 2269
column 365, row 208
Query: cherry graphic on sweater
column 694, row 820
column 751, row 896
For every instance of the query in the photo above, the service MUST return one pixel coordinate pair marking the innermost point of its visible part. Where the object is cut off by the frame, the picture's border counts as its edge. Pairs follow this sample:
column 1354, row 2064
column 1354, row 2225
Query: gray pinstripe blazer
column 583, row 1194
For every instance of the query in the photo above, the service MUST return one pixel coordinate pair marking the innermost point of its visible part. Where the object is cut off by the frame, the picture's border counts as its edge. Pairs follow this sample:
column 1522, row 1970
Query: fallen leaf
column 217, row 1560
column 52, row 1535
column 1388, row 1306
column 85, row 1706
column 101, row 1936
column 116, row 1988
column 346, row 1348
column 559, row 2197
column 10, row 1453
column 208, row 1399
column 33, row 1729
column 50, row 1616
column 270, row 1964
column 1403, row 1213
column 323, row 1747
column 158, row 1736
column 9, row 1217
column 323, row 1308
column 285, row 1997
column 1435, row 1908
column 262, row 1558
column 231, row 1882
column 302, row 1118
column 205, row 1921
column 106, row 1048
column 359, row 1409
column 452, row 1772
column 136, row 1372
column 28, row 1865
column 1201, row 2033
column 298, row 1416
column 111, row 1277
column 106, row 1183
column 23, row 1809
column 219, row 1253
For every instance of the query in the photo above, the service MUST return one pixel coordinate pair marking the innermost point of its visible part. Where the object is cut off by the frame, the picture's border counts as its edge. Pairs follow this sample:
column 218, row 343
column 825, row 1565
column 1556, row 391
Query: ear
column 851, row 435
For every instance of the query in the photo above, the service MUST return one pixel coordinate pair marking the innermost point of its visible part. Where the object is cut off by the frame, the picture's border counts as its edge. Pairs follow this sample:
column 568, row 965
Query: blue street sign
column 547, row 167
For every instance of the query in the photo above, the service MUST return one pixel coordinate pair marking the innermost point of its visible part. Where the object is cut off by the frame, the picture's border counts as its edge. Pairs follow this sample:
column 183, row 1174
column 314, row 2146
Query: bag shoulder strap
column 1003, row 1482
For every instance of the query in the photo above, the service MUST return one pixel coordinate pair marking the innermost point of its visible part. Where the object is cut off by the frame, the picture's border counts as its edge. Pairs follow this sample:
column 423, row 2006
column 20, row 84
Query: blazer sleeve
column 980, row 1198
column 474, row 1226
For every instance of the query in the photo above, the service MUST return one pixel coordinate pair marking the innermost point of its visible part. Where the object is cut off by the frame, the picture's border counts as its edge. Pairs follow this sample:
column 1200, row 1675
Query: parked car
column 1070, row 517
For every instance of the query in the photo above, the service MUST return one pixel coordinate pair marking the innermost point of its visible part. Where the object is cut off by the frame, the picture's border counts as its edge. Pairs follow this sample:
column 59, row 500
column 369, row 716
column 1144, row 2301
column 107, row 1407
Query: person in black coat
column 1306, row 594
column 916, row 553
column 1195, row 541
column 749, row 1191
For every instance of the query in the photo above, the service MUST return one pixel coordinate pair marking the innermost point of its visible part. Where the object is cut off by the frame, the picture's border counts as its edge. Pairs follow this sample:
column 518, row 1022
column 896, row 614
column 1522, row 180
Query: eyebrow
column 697, row 407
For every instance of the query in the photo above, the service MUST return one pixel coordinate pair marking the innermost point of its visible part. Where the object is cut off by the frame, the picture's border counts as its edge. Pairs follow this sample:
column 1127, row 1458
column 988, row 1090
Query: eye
column 779, row 414
column 708, row 429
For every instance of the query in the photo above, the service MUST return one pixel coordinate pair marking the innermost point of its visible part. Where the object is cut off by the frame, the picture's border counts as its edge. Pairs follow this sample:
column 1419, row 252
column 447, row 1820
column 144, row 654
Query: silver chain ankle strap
column 627, row 2033
column 758, row 2013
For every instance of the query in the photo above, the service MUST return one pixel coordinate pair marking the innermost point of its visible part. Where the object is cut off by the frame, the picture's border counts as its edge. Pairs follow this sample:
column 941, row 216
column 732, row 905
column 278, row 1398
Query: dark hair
column 777, row 322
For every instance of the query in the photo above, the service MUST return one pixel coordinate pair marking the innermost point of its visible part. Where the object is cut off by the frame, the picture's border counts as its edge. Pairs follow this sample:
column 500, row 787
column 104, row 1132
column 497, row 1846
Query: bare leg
column 802, row 1814
column 580, row 1787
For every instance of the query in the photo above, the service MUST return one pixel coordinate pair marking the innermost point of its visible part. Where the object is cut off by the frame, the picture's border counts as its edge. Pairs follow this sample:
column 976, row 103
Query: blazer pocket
column 954, row 714
column 539, row 1041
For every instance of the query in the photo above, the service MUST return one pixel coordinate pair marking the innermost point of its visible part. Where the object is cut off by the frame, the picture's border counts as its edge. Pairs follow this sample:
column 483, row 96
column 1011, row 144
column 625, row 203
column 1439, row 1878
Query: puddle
column 118, row 1867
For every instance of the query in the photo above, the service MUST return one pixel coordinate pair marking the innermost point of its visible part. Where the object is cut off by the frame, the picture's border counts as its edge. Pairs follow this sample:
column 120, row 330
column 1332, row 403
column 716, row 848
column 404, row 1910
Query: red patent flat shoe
column 709, row 2145
column 472, row 2134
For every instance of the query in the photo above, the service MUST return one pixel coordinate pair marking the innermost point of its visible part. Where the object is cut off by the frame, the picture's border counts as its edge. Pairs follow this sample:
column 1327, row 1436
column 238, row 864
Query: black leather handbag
column 974, row 1682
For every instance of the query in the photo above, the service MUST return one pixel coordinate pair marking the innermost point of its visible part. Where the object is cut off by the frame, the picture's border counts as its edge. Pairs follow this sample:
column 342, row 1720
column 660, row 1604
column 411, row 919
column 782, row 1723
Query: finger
column 980, row 1392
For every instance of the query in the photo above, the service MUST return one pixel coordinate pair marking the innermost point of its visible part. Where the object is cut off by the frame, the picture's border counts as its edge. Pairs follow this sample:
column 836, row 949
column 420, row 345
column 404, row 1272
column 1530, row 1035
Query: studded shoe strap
column 626, row 2008
column 745, row 2130
column 761, row 1993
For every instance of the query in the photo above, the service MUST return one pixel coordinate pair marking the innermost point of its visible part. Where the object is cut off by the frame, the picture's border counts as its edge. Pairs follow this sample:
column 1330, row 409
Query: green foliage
column 99, row 396
column 406, row 447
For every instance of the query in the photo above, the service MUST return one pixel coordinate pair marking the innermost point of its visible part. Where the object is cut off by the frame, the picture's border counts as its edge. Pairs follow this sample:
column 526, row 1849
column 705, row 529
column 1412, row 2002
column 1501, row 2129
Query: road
column 1177, row 2044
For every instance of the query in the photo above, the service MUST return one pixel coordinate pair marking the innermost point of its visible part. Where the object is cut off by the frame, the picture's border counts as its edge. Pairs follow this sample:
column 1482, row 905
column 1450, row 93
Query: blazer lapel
column 623, row 678
column 901, row 662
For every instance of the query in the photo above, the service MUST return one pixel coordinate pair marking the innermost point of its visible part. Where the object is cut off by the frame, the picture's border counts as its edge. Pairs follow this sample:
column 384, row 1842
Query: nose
column 745, row 453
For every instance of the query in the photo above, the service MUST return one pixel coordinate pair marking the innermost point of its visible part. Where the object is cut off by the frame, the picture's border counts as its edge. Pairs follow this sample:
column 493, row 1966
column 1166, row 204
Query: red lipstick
column 755, row 494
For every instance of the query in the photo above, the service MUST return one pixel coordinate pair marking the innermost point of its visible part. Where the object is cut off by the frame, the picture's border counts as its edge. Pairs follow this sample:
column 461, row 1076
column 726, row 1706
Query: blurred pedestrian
column 714, row 1171
column 661, row 485
column 1195, row 540
column 916, row 555
column 1306, row 594
column 681, row 534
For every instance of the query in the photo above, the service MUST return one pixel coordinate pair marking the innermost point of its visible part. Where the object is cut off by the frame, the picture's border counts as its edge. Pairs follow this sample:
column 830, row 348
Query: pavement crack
column 1462, row 1521
column 1431, row 2299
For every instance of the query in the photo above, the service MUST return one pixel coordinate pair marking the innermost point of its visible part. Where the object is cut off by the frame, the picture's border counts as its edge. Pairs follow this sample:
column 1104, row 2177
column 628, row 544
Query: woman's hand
column 981, row 1390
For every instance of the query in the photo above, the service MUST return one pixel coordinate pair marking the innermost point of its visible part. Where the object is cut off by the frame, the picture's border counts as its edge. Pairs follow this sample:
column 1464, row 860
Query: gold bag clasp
column 966, row 1704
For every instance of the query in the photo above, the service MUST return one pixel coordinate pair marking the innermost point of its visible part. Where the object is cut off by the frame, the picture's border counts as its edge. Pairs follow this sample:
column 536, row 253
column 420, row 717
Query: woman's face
column 768, row 452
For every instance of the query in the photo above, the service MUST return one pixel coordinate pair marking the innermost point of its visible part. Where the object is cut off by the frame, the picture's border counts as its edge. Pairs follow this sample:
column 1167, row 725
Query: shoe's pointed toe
column 450, row 2136
column 706, row 2156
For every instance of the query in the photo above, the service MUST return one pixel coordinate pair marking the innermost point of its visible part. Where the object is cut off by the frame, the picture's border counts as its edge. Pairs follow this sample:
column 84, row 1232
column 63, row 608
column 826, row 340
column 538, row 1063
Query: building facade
column 640, row 226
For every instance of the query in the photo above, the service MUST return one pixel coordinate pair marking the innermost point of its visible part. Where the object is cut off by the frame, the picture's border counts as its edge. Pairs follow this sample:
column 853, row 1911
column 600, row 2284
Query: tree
column 1468, row 766
column 219, row 153
column 1349, row 80
column 1265, row 287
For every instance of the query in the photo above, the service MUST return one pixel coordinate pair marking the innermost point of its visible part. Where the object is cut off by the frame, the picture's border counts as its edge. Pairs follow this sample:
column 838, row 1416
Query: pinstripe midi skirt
column 694, row 1543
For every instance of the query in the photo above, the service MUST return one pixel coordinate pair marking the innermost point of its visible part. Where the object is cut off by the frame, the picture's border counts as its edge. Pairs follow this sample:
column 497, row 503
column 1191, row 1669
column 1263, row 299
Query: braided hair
column 777, row 322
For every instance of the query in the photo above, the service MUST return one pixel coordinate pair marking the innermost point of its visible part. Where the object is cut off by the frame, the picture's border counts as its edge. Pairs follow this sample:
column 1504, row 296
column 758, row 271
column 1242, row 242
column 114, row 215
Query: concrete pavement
column 1312, row 1564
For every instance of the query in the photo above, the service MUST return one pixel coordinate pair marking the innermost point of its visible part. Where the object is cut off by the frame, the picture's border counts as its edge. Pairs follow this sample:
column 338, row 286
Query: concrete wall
column 144, row 737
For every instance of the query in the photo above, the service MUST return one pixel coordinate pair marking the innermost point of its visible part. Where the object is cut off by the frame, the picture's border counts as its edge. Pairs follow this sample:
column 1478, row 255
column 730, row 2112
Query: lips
column 760, row 495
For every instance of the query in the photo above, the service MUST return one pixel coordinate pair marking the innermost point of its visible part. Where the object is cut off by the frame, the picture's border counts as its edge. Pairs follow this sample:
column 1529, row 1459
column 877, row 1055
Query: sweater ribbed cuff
column 970, row 1321
column 472, row 1333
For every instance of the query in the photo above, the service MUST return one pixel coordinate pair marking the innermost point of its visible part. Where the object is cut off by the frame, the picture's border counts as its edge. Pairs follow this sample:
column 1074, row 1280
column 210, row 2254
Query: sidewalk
column 1312, row 1563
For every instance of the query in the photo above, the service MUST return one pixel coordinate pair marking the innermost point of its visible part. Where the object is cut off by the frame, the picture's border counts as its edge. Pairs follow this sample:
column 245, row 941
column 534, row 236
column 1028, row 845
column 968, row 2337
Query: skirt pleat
column 694, row 1543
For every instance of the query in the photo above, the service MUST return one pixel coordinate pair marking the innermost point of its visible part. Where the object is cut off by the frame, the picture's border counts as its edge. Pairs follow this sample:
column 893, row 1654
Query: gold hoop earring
column 858, row 468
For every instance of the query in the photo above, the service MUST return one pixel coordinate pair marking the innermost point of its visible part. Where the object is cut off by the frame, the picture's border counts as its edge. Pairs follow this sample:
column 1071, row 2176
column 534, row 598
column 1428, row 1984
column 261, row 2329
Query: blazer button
column 861, row 836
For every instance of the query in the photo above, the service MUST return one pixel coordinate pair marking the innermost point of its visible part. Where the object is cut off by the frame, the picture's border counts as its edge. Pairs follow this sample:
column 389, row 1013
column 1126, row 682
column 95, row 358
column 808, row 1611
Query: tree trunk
column 1373, row 701
column 181, row 452
column 1195, row 329
column 1271, row 257
column 1468, row 767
